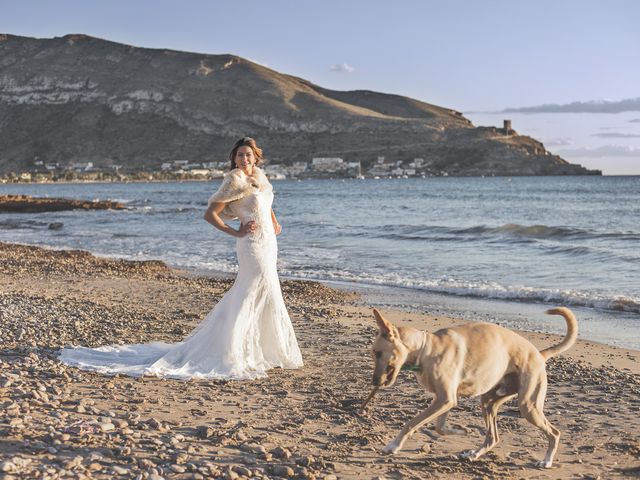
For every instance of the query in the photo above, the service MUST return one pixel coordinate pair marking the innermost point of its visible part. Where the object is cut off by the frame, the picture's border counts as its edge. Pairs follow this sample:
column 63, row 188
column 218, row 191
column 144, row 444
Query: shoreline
column 301, row 423
column 296, row 179
column 518, row 315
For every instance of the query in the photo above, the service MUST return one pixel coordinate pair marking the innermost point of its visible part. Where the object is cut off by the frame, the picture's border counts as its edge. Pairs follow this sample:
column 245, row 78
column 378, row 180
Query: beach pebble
column 154, row 423
column 230, row 474
column 107, row 427
column 282, row 471
column 8, row 466
column 94, row 467
column 242, row 470
column 119, row 470
column 280, row 452
column 178, row 468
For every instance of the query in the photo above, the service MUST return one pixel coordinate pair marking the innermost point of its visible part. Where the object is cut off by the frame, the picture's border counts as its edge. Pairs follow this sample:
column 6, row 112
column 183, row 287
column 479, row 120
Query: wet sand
column 60, row 422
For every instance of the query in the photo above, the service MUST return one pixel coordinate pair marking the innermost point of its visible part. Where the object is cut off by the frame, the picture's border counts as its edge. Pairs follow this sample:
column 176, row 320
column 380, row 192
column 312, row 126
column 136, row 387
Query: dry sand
column 59, row 422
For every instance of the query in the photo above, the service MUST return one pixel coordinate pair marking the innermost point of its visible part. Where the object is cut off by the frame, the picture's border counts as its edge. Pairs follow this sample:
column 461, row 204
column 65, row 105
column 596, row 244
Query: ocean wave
column 149, row 210
column 511, row 231
column 530, row 231
column 15, row 224
column 487, row 290
column 593, row 253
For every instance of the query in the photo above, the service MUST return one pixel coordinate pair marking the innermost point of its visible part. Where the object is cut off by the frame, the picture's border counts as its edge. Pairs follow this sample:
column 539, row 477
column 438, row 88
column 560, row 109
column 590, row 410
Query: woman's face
column 245, row 158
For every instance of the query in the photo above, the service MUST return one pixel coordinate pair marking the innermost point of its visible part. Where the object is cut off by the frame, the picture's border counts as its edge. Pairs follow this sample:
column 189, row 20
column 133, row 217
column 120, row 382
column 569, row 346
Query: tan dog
column 476, row 359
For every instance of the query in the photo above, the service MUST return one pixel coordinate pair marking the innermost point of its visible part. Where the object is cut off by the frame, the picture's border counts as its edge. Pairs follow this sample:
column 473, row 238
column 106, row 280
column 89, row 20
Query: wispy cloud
column 616, row 135
column 591, row 106
column 601, row 152
column 558, row 142
column 342, row 68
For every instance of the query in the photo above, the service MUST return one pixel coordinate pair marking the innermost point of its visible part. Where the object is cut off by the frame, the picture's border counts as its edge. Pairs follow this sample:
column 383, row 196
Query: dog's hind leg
column 444, row 430
column 438, row 407
column 491, row 402
column 531, row 397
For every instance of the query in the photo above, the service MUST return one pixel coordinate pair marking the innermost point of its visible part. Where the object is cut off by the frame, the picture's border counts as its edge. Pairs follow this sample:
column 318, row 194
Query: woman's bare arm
column 276, row 226
column 212, row 216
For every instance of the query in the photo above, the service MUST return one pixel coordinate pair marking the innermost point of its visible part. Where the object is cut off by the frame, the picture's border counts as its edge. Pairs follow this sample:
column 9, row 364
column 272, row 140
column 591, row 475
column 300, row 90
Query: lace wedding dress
column 247, row 333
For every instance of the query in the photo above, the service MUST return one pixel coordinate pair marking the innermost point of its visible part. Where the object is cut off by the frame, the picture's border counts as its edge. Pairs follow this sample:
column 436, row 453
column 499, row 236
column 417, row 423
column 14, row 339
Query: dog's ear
column 386, row 327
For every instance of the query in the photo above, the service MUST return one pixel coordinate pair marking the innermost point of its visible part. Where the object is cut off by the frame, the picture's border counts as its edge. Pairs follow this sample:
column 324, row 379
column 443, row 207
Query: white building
column 192, row 166
column 328, row 164
column 82, row 167
column 200, row 171
column 297, row 168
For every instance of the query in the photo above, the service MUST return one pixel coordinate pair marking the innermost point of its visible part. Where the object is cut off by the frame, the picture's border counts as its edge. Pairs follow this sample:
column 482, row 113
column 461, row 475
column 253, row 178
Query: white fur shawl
column 237, row 185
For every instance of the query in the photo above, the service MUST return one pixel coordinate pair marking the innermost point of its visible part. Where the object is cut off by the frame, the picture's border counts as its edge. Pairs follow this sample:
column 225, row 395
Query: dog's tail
column 569, row 339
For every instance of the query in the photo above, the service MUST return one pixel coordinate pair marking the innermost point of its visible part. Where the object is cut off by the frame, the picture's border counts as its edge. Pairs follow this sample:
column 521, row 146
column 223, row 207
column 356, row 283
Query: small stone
column 257, row 449
column 203, row 432
column 145, row 463
column 283, row 471
column 231, row 475
column 154, row 423
column 107, row 427
column 280, row 452
column 241, row 470
column 119, row 470
column 94, row 467
column 426, row 448
column 120, row 423
column 7, row 466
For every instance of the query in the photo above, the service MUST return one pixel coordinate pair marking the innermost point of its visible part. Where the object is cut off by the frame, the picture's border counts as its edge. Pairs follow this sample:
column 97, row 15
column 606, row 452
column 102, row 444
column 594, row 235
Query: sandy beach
column 60, row 422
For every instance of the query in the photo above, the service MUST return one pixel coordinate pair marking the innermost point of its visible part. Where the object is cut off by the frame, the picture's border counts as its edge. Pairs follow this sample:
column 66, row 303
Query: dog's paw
column 470, row 455
column 544, row 464
column 391, row 448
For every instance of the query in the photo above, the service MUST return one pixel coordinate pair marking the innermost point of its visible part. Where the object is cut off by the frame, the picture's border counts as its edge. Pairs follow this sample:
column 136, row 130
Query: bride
column 249, row 331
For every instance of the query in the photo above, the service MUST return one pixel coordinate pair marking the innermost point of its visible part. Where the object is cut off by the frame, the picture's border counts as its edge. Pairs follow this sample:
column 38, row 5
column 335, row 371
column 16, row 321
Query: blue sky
column 469, row 55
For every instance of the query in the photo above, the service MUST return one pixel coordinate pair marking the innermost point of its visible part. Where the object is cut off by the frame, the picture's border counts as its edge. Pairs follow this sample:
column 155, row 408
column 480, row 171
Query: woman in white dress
column 249, row 331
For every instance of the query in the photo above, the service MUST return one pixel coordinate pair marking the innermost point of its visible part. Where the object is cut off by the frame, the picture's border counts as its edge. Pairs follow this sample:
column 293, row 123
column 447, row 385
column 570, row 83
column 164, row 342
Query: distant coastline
column 160, row 176
column 131, row 110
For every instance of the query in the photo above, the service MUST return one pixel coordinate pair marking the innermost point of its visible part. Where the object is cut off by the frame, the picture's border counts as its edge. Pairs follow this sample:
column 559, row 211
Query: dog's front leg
column 437, row 408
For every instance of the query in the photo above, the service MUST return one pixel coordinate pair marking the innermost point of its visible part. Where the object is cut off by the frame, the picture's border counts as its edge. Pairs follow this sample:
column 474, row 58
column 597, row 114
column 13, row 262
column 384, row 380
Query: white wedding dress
column 247, row 333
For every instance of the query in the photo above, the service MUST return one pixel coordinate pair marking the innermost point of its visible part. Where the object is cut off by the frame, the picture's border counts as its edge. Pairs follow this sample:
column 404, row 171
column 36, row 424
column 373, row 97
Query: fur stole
column 237, row 185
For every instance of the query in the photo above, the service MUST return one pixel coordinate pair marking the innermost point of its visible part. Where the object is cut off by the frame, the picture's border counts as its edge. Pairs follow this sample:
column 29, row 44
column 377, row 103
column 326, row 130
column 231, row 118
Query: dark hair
column 245, row 142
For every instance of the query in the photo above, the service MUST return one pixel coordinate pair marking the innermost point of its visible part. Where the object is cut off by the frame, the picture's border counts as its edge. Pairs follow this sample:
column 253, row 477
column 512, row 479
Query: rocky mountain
column 79, row 98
